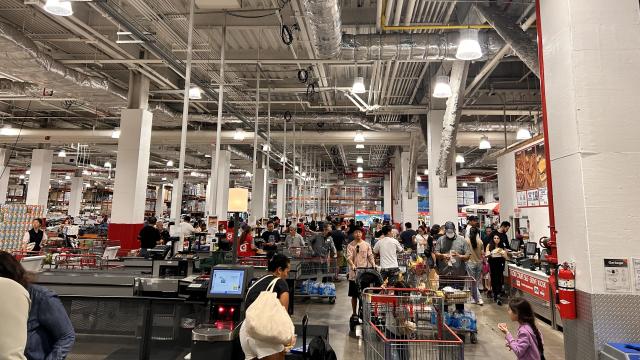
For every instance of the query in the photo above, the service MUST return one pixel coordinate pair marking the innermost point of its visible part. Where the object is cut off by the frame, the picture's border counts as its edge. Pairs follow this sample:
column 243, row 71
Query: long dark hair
column 245, row 232
column 11, row 268
column 522, row 308
column 492, row 244
column 473, row 237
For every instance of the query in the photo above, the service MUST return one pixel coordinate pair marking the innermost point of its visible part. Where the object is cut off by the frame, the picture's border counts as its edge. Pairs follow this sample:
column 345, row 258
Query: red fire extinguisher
column 566, row 292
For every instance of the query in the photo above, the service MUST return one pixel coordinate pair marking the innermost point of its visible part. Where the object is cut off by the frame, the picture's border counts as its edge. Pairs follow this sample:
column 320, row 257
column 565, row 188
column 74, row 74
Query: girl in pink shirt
column 528, row 343
column 359, row 255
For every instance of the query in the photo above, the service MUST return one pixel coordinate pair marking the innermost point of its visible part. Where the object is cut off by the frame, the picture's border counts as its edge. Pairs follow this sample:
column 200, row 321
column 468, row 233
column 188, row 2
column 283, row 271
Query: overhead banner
column 531, row 176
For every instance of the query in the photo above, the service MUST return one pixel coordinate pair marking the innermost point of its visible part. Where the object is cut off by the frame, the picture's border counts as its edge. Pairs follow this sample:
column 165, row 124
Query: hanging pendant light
column 248, row 174
column 67, row 177
column 484, row 143
column 459, row 159
column 469, row 47
column 107, row 164
column 266, row 147
column 62, row 153
column 58, row 7
column 115, row 133
column 6, row 129
column 442, row 89
column 304, row 174
column 239, row 134
column 360, row 160
column 418, row 178
column 283, row 159
column 195, row 93
column 523, row 134
column 360, row 175
column 359, row 146
column 358, row 85
column 170, row 163
column 359, row 169
column 464, row 184
column 478, row 179
column 359, row 138
column 426, row 171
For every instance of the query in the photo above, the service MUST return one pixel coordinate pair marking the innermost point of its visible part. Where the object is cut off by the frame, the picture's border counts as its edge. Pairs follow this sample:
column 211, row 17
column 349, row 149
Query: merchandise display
column 15, row 221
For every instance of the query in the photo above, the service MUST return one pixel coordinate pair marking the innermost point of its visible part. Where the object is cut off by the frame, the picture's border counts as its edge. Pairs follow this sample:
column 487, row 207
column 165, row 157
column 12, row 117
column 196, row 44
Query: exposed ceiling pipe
column 326, row 25
column 414, row 46
column 452, row 114
column 524, row 46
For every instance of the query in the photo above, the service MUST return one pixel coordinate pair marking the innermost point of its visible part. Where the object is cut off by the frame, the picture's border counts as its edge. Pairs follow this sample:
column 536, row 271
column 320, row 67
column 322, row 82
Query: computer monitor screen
column 515, row 244
column 531, row 249
column 227, row 283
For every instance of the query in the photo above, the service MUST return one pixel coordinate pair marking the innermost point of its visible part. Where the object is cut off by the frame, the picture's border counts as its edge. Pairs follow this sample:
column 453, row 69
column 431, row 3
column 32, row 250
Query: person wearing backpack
column 528, row 344
column 275, row 281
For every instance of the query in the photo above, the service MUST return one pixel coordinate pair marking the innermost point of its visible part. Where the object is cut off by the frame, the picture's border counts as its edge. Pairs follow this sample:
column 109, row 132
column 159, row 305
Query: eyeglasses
column 357, row 249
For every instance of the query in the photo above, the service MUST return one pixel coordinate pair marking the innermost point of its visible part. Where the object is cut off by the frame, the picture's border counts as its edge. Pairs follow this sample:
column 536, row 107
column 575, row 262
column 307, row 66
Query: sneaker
column 480, row 302
column 474, row 302
column 499, row 302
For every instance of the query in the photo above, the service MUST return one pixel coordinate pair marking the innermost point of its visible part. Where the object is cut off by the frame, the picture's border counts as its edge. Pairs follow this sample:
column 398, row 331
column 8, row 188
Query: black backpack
column 320, row 350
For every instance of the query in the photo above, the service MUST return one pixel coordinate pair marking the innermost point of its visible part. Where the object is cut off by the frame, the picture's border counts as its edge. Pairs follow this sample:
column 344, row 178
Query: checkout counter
column 529, row 278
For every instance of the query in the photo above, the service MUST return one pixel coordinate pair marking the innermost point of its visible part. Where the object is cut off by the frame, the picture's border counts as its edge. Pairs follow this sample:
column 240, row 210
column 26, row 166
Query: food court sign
column 529, row 284
column 531, row 176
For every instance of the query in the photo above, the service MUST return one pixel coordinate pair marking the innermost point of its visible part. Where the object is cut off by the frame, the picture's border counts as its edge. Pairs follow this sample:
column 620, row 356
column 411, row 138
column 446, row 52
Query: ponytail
column 538, row 339
column 523, row 309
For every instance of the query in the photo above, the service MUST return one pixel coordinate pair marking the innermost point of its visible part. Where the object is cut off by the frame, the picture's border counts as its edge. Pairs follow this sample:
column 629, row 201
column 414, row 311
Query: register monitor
column 531, row 249
column 515, row 244
column 228, row 283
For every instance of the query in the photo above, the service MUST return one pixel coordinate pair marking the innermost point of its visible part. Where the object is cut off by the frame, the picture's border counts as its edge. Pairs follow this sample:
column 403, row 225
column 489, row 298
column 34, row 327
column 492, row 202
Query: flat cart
column 456, row 290
column 308, row 268
column 407, row 324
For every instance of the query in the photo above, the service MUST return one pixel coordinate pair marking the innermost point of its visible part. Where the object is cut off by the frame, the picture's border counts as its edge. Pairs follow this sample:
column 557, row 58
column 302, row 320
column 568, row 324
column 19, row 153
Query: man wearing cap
column 452, row 252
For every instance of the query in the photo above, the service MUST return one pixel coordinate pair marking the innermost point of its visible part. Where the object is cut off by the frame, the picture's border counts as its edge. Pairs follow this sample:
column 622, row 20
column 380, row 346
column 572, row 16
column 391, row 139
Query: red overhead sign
column 529, row 284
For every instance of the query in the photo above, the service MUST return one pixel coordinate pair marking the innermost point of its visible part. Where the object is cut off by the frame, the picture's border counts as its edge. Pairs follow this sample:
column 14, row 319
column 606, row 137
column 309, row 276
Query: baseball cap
column 472, row 218
column 449, row 226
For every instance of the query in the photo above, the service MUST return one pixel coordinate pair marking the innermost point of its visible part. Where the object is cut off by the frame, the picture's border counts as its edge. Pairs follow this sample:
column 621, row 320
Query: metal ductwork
column 523, row 45
column 451, row 118
column 326, row 26
column 414, row 46
column 40, row 71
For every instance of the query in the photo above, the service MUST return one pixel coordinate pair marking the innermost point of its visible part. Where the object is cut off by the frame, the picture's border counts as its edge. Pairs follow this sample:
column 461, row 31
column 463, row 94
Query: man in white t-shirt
column 14, row 314
column 388, row 248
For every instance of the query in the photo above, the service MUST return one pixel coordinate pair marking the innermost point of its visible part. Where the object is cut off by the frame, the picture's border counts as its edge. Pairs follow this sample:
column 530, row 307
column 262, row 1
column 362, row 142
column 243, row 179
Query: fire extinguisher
column 566, row 304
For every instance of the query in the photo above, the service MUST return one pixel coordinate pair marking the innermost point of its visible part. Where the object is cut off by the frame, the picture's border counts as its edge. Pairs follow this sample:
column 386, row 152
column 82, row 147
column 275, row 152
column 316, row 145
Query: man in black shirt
column 270, row 237
column 407, row 237
column 148, row 236
column 502, row 233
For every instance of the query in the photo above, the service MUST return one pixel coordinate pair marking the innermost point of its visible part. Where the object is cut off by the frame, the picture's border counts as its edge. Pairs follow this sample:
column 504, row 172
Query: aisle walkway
column 490, row 343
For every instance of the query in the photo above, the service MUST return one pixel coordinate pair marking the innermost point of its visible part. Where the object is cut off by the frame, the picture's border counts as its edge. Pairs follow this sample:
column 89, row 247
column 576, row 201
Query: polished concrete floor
column 490, row 340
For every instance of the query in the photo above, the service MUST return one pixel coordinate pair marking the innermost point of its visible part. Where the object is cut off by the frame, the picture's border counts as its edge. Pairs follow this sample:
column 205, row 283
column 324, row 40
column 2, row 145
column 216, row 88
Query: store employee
column 35, row 238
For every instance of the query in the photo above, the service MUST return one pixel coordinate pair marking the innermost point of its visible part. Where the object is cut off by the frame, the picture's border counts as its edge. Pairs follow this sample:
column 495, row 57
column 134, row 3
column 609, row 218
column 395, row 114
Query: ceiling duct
column 414, row 46
column 324, row 17
column 22, row 58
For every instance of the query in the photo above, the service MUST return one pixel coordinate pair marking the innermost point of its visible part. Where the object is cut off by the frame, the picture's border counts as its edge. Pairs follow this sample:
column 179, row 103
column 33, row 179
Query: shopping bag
column 485, row 267
column 267, row 320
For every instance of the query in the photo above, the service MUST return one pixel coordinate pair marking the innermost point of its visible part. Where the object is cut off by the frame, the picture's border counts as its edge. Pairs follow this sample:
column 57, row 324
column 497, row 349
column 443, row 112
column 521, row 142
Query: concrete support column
column 132, row 170
column 259, row 194
column 39, row 178
column 75, row 198
column 409, row 198
column 4, row 175
column 396, row 186
column 281, row 199
column 386, row 206
column 176, row 202
column 222, row 189
column 159, row 200
column 443, row 202
column 591, row 58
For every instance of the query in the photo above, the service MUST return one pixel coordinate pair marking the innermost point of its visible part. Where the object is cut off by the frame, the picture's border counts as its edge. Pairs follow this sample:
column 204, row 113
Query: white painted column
column 4, row 175
column 259, row 195
column 387, row 202
column 281, row 198
column 222, row 197
column 443, row 202
column 396, row 185
column 409, row 199
column 75, row 198
column 591, row 59
column 176, row 208
column 159, row 200
column 39, row 179
column 132, row 167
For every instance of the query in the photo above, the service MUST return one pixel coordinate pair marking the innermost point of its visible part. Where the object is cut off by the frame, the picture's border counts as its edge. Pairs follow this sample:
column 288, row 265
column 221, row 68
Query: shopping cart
column 457, row 290
column 254, row 261
column 407, row 324
column 312, row 271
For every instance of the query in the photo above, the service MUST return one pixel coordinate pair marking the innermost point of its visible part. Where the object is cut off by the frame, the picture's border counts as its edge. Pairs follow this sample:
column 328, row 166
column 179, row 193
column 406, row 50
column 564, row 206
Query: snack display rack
column 15, row 220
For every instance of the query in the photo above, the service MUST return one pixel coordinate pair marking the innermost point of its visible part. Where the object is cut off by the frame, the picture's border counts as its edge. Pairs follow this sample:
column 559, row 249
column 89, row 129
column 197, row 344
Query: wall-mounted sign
column 532, row 285
column 531, row 176
column 616, row 275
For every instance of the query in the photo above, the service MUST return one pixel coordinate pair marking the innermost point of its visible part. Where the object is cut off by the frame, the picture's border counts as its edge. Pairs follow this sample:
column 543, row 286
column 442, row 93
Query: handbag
column 485, row 267
column 267, row 320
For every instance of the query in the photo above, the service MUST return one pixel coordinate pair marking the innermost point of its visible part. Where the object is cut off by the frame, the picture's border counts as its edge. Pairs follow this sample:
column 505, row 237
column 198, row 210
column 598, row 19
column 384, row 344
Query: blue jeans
column 475, row 271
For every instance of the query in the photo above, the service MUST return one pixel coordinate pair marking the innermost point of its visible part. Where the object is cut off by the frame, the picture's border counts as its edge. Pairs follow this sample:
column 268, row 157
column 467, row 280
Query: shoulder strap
column 256, row 283
column 272, row 285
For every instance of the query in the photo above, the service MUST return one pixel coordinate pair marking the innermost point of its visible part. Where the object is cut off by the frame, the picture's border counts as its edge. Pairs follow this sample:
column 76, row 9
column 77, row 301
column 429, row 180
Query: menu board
column 466, row 196
column 531, row 176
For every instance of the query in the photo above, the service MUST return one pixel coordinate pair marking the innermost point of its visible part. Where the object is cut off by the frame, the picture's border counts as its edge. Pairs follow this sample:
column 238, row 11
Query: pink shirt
column 525, row 345
column 361, row 255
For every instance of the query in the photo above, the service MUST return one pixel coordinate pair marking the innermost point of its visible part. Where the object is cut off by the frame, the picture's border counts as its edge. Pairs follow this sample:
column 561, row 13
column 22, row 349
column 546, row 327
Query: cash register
column 227, row 290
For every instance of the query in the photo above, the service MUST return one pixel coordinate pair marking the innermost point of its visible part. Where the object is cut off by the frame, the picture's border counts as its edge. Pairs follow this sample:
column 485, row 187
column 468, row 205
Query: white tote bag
column 267, row 320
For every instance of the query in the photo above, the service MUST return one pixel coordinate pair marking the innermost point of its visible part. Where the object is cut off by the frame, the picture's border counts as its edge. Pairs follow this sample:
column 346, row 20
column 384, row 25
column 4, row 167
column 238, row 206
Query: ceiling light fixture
column 266, row 147
column 195, row 93
column 418, row 178
column 170, row 163
column 193, row 173
column 86, row 172
column 523, row 134
column 107, row 164
column 478, row 179
column 58, row 7
column 28, row 172
column 358, row 85
column 62, row 153
column 283, row 159
column 296, row 168
column 459, row 159
column 164, row 179
column 359, row 160
column 426, row 171
column 360, row 175
column 360, row 146
column 442, row 89
column 207, row 155
column 239, row 135
column 304, row 174
column 484, row 143
column 469, row 47
column 359, row 138
column 115, row 133
column 67, row 177
column 21, row 177
column 359, row 169
column 464, row 184
column 248, row 174
column 6, row 129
